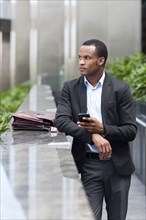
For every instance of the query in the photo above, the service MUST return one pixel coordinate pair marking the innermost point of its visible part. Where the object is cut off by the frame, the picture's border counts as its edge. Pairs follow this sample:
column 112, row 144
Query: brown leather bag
column 30, row 120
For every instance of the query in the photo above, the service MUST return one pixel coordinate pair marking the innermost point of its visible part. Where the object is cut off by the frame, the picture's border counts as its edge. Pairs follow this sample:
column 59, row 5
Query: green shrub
column 131, row 69
column 9, row 103
column 4, row 120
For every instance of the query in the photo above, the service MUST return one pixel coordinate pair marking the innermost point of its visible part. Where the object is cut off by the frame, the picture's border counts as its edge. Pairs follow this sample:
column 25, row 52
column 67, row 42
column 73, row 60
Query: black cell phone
column 82, row 115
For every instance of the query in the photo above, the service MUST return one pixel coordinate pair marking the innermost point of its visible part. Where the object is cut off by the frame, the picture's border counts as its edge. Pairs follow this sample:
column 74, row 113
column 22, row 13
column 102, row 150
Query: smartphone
column 82, row 115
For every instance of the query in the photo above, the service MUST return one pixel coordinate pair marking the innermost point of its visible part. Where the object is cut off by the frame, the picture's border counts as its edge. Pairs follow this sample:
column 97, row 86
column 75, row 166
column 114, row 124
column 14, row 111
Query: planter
column 140, row 108
column 138, row 147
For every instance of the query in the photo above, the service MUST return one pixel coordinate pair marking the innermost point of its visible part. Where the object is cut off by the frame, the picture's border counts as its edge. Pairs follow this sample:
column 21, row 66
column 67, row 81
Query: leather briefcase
column 30, row 120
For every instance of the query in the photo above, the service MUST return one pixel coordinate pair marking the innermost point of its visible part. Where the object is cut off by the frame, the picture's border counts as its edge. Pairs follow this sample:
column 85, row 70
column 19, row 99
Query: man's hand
column 92, row 125
column 104, row 147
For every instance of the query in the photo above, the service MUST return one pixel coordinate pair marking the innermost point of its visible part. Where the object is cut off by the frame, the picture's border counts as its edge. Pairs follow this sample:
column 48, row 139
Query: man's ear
column 101, row 60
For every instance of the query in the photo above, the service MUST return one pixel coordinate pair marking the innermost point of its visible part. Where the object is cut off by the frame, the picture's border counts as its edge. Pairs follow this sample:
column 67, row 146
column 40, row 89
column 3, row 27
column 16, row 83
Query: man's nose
column 82, row 61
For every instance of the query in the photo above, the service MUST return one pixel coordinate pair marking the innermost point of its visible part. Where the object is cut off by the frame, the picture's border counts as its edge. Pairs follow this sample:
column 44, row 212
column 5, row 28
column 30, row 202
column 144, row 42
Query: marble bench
column 39, row 180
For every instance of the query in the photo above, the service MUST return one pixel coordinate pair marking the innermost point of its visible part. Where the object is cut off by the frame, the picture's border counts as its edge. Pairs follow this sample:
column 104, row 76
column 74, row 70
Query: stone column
column 21, row 30
column 70, row 40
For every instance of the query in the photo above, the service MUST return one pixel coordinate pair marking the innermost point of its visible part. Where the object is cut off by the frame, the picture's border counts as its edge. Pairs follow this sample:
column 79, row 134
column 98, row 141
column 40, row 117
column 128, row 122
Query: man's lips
column 82, row 69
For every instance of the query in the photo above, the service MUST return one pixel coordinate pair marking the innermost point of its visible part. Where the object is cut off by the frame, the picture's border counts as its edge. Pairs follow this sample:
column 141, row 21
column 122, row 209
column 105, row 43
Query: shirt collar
column 99, row 82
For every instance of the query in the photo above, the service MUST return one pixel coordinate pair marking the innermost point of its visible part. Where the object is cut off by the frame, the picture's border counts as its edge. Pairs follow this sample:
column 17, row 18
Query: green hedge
column 9, row 103
column 131, row 69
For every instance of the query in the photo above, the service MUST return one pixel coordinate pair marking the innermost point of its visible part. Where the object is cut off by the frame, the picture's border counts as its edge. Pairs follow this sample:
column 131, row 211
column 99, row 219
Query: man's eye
column 87, row 58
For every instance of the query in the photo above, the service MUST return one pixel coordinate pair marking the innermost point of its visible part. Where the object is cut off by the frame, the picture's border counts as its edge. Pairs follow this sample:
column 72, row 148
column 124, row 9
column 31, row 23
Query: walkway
column 137, row 200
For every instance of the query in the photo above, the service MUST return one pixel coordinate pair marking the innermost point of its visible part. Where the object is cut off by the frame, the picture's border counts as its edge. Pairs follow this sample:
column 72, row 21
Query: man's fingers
column 105, row 150
column 103, row 145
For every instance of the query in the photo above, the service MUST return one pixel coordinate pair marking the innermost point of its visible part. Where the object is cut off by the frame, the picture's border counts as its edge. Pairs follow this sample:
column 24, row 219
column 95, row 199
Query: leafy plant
column 4, row 120
column 137, row 82
column 9, row 103
column 11, row 99
column 131, row 69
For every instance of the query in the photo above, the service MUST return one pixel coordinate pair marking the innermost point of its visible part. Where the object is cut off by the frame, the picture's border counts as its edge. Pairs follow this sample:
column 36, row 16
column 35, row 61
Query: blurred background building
column 41, row 38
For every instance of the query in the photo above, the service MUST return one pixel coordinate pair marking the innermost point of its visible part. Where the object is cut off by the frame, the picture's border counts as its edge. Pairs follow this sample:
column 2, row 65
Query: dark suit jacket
column 117, row 114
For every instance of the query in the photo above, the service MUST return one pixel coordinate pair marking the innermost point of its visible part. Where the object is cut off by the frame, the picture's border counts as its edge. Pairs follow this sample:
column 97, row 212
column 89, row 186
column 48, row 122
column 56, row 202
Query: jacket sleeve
column 64, row 120
column 126, row 129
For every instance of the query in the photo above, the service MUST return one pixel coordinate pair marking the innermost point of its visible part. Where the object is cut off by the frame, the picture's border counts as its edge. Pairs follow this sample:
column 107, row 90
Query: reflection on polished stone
column 32, row 137
column 45, row 182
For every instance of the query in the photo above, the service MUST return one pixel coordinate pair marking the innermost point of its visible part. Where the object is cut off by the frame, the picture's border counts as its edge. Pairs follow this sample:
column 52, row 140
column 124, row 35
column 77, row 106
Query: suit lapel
column 82, row 92
column 105, row 98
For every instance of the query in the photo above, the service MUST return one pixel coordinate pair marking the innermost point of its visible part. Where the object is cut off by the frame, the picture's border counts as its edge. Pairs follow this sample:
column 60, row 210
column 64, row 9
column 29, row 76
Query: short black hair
column 101, row 49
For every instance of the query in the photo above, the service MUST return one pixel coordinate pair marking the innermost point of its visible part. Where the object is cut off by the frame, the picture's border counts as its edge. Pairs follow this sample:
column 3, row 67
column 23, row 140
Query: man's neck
column 93, row 80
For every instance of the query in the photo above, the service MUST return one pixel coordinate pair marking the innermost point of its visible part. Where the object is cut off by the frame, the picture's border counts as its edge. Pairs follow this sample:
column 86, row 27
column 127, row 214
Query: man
column 100, row 145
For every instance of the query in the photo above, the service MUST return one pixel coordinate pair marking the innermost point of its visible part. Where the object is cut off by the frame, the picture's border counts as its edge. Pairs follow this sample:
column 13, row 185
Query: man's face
column 89, row 63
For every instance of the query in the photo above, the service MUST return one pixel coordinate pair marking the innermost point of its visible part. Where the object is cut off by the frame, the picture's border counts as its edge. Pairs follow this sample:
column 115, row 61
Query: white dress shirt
column 94, row 104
